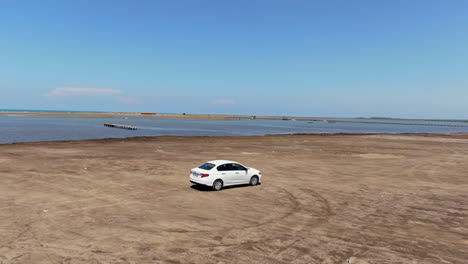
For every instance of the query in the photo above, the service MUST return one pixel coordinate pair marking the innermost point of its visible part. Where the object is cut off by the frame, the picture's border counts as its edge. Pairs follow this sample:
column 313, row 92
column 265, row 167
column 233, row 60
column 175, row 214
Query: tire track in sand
column 278, row 237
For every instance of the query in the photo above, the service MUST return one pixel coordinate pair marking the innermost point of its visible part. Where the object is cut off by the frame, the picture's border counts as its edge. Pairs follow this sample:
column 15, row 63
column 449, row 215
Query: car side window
column 229, row 167
column 242, row 167
column 222, row 167
column 236, row 166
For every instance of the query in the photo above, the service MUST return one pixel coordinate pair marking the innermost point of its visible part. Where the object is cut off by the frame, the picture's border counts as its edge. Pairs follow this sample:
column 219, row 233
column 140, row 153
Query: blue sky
column 346, row 58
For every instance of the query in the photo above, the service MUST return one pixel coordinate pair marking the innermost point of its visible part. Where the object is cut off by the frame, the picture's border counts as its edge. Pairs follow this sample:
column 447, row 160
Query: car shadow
column 204, row 188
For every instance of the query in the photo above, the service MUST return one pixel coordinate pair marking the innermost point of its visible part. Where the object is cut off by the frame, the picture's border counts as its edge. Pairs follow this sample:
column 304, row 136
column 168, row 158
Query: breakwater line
column 121, row 126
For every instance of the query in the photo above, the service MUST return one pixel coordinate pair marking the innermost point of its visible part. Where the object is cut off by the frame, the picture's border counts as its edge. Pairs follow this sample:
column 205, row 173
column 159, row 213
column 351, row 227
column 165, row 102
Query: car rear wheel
column 253, row 181
column 217, row 185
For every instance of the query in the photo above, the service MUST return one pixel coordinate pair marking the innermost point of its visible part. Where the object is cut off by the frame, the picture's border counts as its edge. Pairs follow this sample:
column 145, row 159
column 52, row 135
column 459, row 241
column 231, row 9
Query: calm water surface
column 19, row 128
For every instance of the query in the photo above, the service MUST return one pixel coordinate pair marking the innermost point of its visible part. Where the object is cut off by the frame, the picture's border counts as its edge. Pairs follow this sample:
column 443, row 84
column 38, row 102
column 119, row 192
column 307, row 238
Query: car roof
column 219, row 162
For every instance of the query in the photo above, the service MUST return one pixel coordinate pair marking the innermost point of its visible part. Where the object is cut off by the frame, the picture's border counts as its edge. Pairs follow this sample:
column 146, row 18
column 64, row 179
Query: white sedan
column 220, row 173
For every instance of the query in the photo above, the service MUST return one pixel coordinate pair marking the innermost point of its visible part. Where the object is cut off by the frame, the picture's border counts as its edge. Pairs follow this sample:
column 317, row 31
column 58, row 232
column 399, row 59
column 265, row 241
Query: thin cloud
column 224, row 102
column 77, row 91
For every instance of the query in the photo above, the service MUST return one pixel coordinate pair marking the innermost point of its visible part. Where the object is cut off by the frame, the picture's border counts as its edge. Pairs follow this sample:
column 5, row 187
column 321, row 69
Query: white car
column 220, row 173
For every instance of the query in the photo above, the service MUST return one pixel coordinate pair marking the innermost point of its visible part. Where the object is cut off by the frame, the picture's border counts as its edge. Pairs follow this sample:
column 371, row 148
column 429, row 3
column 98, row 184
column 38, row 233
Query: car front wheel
column 217, row 185
column 253, row 181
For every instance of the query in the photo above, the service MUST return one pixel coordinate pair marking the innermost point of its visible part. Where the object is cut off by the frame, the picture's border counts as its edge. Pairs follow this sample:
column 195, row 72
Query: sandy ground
column 324, row 199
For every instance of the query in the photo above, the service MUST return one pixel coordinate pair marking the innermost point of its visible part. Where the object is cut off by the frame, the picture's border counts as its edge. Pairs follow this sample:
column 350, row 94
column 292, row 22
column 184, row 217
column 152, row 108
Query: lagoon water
column 23, row 128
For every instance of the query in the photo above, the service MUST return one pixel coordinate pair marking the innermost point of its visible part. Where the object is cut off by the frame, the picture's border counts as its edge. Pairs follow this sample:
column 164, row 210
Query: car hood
column 253, row 170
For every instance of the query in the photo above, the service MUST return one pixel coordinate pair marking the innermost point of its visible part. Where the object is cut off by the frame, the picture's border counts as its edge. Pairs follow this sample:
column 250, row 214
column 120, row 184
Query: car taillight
column 203, row 175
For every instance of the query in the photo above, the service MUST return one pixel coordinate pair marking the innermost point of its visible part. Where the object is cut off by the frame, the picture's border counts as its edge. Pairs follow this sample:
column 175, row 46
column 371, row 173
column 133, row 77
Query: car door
column 226, row 174
column 240, row 173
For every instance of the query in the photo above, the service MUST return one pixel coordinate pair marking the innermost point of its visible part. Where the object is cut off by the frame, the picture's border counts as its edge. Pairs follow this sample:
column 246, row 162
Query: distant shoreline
column 112, row 114
column 92, row 114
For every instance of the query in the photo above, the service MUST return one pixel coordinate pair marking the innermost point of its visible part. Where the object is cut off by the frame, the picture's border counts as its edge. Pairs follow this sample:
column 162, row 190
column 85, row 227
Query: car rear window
column 206, row 166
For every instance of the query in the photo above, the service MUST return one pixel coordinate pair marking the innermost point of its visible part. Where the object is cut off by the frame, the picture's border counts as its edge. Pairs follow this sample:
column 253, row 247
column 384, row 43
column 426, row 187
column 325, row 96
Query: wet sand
column 324, row 199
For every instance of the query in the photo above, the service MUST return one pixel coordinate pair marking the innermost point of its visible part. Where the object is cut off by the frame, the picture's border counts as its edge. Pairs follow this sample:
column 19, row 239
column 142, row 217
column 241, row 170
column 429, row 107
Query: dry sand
column 324, row 199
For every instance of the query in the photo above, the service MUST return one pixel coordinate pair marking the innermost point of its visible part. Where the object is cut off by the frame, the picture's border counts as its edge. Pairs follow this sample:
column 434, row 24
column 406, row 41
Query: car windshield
column 206, row 166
